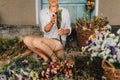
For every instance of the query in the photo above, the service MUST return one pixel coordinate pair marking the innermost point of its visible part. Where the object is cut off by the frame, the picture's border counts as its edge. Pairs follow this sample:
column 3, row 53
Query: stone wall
column 11, row 31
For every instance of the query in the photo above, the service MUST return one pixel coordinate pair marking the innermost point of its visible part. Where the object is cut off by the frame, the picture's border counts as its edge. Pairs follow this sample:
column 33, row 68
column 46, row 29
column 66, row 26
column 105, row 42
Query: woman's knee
column 27, row 39
column 36, row 42
column 59, row 46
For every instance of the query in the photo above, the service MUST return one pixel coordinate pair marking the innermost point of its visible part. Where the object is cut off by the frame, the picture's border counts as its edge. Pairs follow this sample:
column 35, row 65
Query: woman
column 50, row 43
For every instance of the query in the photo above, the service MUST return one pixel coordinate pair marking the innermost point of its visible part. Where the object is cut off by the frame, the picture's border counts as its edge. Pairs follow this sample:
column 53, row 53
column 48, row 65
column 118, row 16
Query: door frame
column 37, row 8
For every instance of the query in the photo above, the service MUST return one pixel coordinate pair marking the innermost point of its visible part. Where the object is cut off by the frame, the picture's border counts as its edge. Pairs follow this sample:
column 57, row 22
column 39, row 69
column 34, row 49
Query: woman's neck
column 53, row 9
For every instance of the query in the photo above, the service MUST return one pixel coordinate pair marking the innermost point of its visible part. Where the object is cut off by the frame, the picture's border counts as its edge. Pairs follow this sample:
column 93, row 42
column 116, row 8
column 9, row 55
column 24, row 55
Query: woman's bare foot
column 54, row 59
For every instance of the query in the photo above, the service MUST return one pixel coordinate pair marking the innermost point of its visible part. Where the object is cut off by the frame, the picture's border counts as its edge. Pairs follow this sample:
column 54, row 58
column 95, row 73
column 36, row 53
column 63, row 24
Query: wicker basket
column 109, row 71
column 82, row 37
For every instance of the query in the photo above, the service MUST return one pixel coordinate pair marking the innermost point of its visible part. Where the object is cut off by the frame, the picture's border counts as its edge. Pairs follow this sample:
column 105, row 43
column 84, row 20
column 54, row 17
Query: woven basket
column 109, row 71
column 82, row 37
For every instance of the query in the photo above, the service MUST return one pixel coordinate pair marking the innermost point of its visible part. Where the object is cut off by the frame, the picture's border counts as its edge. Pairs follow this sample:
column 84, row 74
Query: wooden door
column 76, row 8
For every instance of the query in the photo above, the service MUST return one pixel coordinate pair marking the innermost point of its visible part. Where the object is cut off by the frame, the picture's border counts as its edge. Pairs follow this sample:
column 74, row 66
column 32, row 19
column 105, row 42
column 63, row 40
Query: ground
column 17, row 52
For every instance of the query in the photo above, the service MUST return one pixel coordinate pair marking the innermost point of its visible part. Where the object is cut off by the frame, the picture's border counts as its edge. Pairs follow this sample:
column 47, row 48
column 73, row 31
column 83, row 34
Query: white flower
column 91, row 48
column 110, row 41
column 97, row 48
column 114, row 56
column 106, row 35
column 103, row 44
column 116, row 39
column 118, row 45
column 105, row 57
column 111, row 60
column 112, row 35
column 107, row 27
column 94, row 54
column 97, row 42
column 102, row 54
column 118, row 55
column 118, row 32
column 107, row 51
column 113, row 43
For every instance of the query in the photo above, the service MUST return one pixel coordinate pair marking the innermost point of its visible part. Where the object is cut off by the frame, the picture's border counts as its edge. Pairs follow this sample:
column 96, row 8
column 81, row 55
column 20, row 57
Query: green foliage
column 116, row 65
column 11, row 48
column 8, row 43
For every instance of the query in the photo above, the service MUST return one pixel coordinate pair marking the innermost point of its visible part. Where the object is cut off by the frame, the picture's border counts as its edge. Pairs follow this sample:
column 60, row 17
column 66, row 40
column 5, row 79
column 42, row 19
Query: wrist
column 51, row 22
column 64, row 32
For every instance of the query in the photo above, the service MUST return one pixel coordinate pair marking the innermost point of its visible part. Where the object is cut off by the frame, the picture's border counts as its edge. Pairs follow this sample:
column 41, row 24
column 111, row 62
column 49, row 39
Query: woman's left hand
column 61, row 31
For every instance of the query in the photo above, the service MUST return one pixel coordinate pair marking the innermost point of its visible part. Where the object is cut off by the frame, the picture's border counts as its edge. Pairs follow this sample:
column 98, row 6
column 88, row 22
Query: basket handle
column 107, row 64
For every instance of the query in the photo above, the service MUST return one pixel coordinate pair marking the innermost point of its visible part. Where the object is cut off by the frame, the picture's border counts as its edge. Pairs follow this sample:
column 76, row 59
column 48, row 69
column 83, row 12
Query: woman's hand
column 51, row 23
column 61, row 31
column 53, row 19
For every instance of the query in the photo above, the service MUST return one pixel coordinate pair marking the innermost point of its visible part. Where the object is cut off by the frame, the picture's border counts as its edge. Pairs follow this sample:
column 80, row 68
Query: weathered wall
column 110, row 9
column 17, row 12
column 23, row 11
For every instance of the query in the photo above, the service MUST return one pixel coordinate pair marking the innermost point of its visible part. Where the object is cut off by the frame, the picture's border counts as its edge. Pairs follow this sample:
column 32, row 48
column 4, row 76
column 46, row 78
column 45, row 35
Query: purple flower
column 89, row 42
column 112, row 48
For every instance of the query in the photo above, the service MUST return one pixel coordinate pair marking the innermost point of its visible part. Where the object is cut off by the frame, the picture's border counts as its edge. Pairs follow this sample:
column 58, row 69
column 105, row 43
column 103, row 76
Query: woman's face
column 53, row 2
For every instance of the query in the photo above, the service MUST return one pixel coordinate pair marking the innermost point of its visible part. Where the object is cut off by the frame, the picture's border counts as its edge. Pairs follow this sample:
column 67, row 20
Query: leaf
column 59, row 18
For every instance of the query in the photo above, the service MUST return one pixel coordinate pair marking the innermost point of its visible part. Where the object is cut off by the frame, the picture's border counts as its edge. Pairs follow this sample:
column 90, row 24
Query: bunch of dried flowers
column 93, row 24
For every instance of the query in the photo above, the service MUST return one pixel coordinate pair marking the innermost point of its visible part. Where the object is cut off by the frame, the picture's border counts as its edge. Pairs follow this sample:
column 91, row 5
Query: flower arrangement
column 57, row 69
column 86, row 27
column 95, row 23
column 104, row 45
column 90, row 4
column 26, row 68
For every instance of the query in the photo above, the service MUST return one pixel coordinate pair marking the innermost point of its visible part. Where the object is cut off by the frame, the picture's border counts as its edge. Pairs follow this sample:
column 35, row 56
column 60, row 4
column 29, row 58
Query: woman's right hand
column 53, row 18
column 51, row 23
